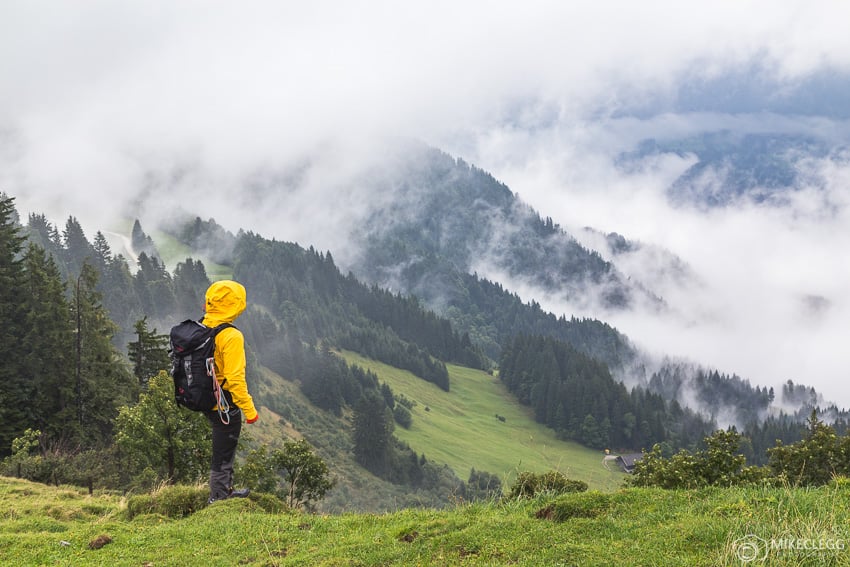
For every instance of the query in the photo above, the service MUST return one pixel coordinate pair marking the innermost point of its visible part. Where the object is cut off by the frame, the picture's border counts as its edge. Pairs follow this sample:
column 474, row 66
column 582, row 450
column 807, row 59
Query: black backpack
column 192, row 345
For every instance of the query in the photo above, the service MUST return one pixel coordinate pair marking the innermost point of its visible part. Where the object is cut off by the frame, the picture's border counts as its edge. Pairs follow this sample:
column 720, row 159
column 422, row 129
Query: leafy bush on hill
column 529, row 484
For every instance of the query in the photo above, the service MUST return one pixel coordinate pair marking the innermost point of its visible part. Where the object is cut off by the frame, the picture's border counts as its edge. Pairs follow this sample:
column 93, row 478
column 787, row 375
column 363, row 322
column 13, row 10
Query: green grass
column 460, row 428
column 41, row 525
column 173, row 251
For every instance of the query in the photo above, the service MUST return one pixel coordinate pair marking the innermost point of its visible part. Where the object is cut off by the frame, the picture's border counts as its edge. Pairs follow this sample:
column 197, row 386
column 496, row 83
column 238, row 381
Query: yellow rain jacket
column 225, row 301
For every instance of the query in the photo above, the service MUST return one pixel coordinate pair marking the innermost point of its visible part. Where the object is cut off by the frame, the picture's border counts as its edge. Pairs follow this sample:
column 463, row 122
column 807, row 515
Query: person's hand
column 256, row 417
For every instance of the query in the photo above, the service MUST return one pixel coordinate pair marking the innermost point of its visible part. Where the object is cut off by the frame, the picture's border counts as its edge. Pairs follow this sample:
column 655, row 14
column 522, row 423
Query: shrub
column 720, row 464
column 813, row 461
column 175, row 501
column 295, row 473
column 528, row 484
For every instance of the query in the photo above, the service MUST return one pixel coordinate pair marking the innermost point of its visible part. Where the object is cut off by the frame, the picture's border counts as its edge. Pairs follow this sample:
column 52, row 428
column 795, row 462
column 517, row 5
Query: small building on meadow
column 627, row 462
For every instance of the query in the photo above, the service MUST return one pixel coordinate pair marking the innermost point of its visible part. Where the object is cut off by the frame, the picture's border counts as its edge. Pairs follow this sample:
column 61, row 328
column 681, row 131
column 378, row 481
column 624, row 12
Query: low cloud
column 765, row 295
column 111, row 111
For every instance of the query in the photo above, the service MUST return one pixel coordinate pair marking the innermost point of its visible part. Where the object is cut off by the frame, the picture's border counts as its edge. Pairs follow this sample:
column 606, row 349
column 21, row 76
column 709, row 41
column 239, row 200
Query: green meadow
column 461, row 428
column 43, row 525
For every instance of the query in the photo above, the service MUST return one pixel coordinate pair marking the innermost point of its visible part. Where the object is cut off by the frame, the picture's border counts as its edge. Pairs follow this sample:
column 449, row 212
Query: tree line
column 576, row 396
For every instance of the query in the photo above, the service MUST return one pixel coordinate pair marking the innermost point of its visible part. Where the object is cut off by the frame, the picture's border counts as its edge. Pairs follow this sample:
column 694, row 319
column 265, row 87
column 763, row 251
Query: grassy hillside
column 295, row 417
column 461, row 428
column 172, row 251
column 41, row 525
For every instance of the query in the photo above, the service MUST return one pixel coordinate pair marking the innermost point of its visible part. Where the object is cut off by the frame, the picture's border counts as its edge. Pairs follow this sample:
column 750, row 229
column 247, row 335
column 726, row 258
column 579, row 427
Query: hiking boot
column 241, row 493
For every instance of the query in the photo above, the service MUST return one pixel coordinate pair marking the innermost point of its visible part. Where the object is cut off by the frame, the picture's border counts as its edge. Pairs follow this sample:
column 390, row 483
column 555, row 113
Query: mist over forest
column 707, row 180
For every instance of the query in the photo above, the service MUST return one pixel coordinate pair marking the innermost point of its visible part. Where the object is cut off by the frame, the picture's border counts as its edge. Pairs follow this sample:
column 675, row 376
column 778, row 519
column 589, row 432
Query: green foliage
column 312, row 300
column 402, row 416
column 24, row 445
column 14, row 396
column 483, row 485
column 719, row 464
column 529, row 484
column 459, row 428
column 815, row 460
column 373, row 428
column 295, row 473
column 148, row 353
column 102, row 381
column 157, row 434
column 170, row 501
column 577, row 396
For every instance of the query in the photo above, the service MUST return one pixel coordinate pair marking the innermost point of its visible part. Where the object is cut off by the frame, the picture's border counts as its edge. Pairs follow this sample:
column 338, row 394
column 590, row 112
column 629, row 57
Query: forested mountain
column 82, row 340
column 577, row 396
column 730, row 165
column 444, row 219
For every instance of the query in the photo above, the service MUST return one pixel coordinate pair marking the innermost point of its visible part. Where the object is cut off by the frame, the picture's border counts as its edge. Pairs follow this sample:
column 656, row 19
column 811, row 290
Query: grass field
column 41, row 525
column 173, row 252
column 460, row 428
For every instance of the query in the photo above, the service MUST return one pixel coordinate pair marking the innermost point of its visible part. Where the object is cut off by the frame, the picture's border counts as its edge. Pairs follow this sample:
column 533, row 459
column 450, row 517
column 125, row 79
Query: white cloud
column 102, row 103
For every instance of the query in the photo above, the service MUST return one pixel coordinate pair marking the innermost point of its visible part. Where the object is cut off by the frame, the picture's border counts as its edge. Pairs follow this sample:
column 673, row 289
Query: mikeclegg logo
column 753, row 548
column 750, row 548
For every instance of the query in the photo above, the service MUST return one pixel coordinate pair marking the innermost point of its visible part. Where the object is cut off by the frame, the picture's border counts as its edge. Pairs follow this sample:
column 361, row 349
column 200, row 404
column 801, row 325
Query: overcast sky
column 107, row 108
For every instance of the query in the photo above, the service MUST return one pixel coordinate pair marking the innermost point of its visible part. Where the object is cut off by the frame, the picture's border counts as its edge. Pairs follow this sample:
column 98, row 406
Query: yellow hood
column 225, row 301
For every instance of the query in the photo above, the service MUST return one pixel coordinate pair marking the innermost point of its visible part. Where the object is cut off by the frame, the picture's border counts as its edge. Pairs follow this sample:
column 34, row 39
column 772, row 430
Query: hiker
column 225, row 301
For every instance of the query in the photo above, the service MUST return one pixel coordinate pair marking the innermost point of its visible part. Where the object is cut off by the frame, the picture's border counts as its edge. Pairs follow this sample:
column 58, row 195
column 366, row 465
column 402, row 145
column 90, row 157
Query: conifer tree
column 190, row 284
column 77, row 249
column 373, row 427
column 102, row 380
column 148, row 353
column 48, row 344
column 14, row 406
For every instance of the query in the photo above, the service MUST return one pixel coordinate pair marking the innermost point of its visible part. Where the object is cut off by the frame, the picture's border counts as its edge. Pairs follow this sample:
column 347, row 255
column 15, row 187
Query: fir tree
column 148, row 353
column 102, row 381
column 48, row 344
column 14, row 402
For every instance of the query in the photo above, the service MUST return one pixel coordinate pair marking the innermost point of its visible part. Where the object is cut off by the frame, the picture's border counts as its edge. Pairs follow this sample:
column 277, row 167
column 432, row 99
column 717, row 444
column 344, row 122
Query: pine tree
column 190, row 284
column 77, row 248
column 102, row 381
column 148, row 353
column 14, row 404
column 373, row 429
column 48, row 344
column 154, row 287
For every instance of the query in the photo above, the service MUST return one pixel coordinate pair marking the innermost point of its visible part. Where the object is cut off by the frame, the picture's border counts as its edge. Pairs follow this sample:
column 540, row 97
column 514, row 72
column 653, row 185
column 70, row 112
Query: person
column 224, row 301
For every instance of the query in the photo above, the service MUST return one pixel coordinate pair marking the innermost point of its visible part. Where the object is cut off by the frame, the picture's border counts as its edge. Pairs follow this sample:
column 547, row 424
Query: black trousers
column 224, row 440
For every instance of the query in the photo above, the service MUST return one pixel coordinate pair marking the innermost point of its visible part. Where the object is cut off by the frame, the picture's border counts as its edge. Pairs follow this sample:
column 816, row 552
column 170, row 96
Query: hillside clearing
column 462, row 428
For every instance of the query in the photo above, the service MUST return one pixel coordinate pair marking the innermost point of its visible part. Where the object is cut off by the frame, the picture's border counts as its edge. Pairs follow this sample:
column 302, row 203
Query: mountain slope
column 480, row 425
column 441, row 218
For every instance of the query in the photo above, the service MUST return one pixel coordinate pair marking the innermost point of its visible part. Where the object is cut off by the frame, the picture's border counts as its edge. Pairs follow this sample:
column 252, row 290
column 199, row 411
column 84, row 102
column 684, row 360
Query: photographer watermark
column 752, row 548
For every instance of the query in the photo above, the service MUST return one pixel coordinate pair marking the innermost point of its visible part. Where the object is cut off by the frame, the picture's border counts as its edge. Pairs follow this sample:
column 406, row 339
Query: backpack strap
column 222, row 404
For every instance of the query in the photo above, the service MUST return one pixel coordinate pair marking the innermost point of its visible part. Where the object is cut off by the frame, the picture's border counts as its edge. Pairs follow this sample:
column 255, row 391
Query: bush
column 720, row 464
column 295, row 473
column 175, row 501
column 528, row 484
column 813, row 461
